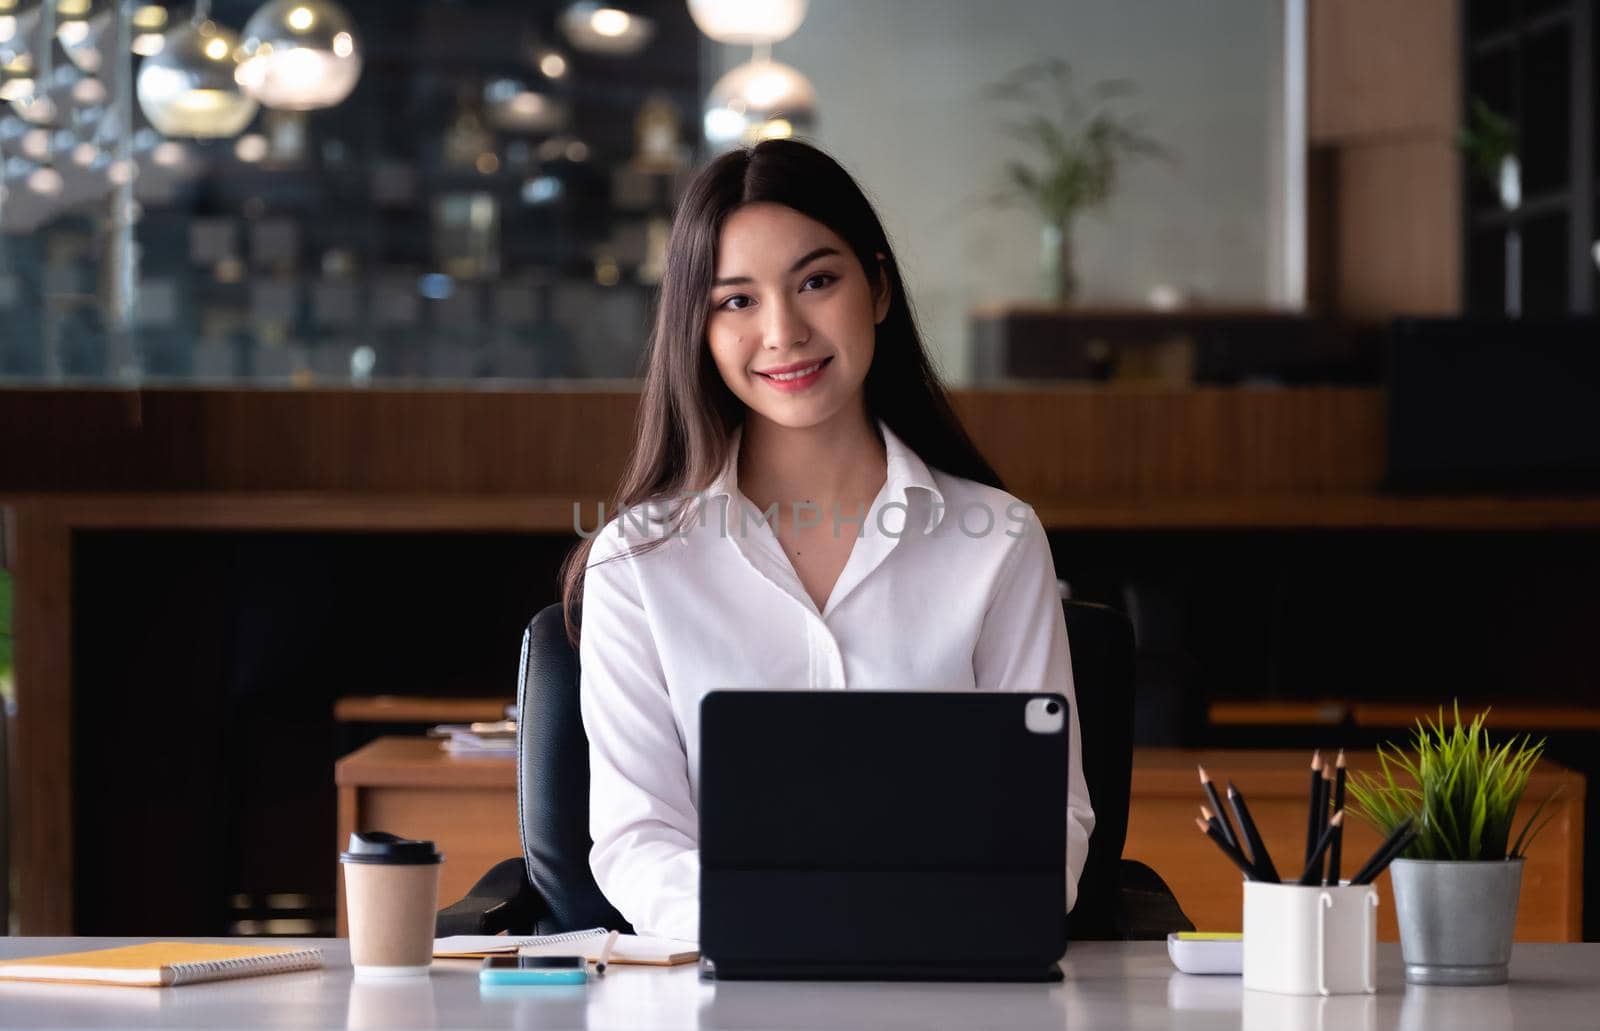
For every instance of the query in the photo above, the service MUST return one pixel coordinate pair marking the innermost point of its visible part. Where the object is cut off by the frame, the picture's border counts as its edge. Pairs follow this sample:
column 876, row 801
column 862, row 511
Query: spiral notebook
column 630, row 948
column 156, row 964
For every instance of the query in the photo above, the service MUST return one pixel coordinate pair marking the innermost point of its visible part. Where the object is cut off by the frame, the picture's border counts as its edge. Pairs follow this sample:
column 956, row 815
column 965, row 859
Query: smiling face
column 793, row 317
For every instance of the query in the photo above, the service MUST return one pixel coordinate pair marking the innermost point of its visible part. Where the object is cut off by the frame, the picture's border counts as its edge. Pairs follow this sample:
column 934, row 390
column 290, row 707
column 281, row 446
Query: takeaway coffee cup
column 391, row 889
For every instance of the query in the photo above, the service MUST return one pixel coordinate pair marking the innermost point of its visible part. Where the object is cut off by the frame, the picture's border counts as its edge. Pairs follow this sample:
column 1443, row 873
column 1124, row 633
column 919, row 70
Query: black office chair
column 550, row 889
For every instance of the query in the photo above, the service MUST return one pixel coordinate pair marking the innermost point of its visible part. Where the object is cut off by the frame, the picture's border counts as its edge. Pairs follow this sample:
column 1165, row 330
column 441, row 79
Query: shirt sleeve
column 642, row 815
column 1023, row 647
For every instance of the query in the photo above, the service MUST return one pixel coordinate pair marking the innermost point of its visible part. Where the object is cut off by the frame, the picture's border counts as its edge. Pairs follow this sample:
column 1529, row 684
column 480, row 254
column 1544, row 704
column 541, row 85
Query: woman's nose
column 783, row 325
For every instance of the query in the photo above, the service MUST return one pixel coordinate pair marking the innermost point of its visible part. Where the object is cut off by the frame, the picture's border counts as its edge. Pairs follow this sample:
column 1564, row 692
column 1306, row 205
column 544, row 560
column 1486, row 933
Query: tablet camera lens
column 1052, row 708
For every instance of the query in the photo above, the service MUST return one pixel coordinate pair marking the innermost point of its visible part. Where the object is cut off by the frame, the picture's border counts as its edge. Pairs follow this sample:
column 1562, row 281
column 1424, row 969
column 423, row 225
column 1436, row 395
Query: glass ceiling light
column 188, row 89
column 759, row 100
column 748, row 22
column 300, row 55
column 606, row 28
column 149, row 30
column 85, row 39
column 17, row 78
column 511, row 106
column 80, row 28
column 39, row 105
column 540, row 54
column 18, row 18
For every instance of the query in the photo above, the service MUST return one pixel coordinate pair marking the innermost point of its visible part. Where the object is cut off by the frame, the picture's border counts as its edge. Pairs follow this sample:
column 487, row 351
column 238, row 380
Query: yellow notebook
column 160, row 963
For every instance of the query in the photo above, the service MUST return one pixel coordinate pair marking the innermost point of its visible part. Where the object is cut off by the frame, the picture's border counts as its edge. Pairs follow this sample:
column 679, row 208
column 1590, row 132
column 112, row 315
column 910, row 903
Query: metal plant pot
column 1456, row 919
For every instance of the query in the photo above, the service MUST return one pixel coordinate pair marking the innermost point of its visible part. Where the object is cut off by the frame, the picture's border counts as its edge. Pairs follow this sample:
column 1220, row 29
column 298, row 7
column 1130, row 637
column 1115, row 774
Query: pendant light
column 28, row 77
column 510, row 105
column 188, row 89
column 85, row 36
column 149, row 30
column 300, row 55
column 760, row 99
column 748, row 22
column 612, row 28
column 17, row 81
column 18, row 19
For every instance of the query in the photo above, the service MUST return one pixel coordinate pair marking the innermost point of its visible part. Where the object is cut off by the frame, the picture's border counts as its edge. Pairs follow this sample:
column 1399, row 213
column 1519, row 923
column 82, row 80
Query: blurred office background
column 293, row 412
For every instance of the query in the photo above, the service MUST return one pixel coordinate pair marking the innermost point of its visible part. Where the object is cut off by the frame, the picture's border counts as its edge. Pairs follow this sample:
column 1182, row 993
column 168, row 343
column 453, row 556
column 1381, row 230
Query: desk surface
column 1122, row 985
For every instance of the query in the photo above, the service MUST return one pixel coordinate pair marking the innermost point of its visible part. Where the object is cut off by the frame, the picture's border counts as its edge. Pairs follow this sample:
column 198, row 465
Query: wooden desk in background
column 469, row 807
column 1167, row 796
column 412, row 787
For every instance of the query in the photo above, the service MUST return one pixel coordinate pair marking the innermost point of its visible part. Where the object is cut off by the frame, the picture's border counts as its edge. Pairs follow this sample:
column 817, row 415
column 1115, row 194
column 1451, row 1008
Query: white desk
column 1111, row 985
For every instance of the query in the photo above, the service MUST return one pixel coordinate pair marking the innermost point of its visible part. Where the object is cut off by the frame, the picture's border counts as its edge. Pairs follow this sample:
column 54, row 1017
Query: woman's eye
column 729, row 305
column 826, row 277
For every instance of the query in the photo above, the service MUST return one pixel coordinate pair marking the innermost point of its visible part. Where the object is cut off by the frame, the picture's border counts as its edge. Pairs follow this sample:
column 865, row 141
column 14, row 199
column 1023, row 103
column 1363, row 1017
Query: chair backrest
column 553, row 768
column 1102, row 644
column 553, row 782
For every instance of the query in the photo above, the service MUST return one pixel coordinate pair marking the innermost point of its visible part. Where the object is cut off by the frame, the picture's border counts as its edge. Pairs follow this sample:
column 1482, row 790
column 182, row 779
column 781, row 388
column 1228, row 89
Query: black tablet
column 883, row 835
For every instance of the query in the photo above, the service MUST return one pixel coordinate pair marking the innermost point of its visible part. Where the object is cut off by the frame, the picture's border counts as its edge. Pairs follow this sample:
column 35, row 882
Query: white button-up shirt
column 949, row 586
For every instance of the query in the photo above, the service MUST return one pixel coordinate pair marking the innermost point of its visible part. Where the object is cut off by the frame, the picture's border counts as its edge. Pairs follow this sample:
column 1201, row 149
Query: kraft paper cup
column 391, row 891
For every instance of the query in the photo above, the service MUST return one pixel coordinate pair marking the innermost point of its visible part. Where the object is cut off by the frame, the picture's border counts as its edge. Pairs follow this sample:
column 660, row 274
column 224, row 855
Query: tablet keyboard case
column 881, row 835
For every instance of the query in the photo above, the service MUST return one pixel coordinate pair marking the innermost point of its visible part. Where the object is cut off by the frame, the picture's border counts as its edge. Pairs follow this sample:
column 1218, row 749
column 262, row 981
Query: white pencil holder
column 1308, row 940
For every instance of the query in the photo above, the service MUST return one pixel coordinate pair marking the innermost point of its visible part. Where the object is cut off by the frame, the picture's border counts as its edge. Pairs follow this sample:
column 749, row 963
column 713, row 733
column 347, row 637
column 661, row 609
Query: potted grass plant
column 1456, row 884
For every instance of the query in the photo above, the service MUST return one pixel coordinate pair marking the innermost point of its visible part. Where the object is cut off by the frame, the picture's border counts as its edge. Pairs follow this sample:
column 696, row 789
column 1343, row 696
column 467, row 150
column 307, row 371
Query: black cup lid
column 389, row 849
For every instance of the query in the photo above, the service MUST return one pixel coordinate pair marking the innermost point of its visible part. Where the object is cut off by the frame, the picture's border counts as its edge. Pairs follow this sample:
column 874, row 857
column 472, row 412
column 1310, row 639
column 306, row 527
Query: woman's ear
column 880, row 291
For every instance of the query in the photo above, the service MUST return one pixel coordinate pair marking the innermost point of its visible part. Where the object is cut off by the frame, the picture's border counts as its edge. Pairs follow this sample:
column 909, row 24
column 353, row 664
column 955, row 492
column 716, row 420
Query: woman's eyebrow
column 820, row 252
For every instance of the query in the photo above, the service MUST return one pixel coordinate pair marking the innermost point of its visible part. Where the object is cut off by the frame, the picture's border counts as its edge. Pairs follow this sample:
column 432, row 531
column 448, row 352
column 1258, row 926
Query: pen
column 1335, row 849
column 1216, row 806
column 1259, row 860
column 605, row 953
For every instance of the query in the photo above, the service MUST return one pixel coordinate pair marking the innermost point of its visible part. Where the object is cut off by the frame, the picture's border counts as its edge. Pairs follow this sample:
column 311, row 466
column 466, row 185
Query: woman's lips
column 793, row 383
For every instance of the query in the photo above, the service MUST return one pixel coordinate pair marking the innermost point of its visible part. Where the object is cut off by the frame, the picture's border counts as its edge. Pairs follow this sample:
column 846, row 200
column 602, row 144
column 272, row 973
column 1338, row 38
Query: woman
column 802, row 509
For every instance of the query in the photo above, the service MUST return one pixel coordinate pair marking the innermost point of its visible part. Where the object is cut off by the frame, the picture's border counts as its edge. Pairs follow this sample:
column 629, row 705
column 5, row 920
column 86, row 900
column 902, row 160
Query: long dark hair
column 687, row 414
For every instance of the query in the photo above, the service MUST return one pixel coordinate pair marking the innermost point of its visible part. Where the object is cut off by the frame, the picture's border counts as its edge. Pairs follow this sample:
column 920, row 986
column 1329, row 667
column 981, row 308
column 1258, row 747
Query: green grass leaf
column 1461, row 789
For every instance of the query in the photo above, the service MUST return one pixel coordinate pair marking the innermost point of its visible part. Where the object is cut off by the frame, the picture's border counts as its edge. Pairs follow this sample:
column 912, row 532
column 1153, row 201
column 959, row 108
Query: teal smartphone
column 533, row 970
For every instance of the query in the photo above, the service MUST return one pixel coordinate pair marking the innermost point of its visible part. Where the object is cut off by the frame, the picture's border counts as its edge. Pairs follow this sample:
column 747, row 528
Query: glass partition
column 436, row 191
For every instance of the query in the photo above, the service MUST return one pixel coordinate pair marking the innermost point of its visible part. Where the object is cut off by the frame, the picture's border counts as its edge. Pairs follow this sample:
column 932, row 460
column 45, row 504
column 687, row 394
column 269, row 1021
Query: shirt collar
column 904, row 468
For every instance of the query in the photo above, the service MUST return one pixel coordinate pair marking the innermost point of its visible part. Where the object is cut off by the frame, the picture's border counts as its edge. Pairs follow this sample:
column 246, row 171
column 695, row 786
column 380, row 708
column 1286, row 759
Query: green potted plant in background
column 1456, row 884
column 1488, row 140
column 1081, row 146
column 5, row 640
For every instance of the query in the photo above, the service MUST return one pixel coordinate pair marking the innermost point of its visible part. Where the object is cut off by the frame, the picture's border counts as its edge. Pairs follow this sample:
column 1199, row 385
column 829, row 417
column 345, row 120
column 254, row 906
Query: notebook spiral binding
column 557, row 939
column 210, row 970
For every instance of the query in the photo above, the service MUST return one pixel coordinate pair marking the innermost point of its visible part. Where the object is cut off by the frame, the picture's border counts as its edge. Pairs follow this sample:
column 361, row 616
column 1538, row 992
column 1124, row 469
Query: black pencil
column 1214, row 832
column 1216, row 804
column 1336, row 849
column 1313, row 871
column 1314, row 806
column 1391, row 855
column 1392, row 845
column 1259, row 860
column 1327, row 795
